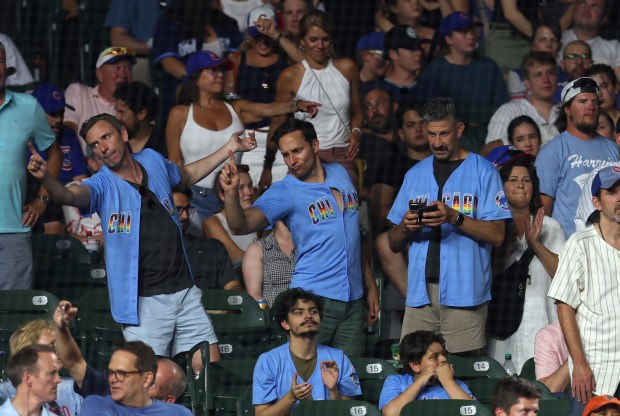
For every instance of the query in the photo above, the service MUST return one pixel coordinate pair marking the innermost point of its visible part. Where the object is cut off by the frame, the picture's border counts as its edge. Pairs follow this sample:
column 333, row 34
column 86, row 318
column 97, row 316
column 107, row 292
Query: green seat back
column 335, row 407
column 445, row 407
column 475, row 367
column 372, row 372
column 528, row 371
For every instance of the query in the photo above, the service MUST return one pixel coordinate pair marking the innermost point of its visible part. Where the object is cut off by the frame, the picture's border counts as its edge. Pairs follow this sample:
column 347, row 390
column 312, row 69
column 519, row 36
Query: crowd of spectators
column 242, row 145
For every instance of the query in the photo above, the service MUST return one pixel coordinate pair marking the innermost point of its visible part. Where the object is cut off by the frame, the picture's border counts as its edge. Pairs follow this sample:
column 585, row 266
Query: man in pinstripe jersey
column 586, row 287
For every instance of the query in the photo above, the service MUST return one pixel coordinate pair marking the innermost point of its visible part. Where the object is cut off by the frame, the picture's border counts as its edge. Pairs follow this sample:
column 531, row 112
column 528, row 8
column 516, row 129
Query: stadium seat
column 238, row 320
column 528, row 371
column 372, row 372
column 444, row 407
column 482, row 389
column 198, row 387
column 335, row 407
column 553, row 407
column 18, row 307
column 95, row 328
column 231, row 383
column 474, row 367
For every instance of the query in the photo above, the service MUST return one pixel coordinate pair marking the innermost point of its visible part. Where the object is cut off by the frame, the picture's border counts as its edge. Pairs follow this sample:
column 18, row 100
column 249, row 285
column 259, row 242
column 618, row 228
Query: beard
column 381, row 124
column 587, row 128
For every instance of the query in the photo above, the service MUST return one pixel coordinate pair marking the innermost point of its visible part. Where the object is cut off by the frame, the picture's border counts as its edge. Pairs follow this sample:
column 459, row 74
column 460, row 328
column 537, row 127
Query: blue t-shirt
column 327, row 240
column 105, row 406
column 563, row 165
column 396, row 384
column 94, row 383
column 138, row 17
column 474, row 189
column 21, row 120
column 274, row 371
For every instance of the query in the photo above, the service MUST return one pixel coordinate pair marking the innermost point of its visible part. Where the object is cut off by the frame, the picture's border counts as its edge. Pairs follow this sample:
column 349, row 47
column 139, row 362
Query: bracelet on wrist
column 357, row 129
column 295, row 106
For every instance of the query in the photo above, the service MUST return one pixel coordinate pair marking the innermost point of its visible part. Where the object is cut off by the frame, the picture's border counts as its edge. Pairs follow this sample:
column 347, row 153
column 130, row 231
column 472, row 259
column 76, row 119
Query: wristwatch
column 45, row 199
column 459, row 219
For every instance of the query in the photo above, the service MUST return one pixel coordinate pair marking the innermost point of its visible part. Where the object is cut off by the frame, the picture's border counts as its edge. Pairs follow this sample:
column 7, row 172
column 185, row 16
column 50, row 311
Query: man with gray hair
column 22, row 120
column 450, row 222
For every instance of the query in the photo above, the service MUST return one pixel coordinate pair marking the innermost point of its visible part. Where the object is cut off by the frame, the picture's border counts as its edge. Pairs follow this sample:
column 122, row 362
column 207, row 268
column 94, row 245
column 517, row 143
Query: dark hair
column 554, row 27
column 138, row 97
column 316, row 18
column 602, row 69
column 414, row 345
column 183, row 190
column 146, row 360
column 439, row 109
column 526, row 162
column 25, row 360
column 536, row 58
column 609, row 120
column 292, row 124
column 287, row 300
column 404, row 107
column 509, row 390
column 108, row 118
column 192, row 17
column 217, row 186
column 517, row 121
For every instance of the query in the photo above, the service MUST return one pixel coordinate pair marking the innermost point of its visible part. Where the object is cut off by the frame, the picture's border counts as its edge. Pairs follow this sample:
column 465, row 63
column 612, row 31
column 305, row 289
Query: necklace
column 601, row 230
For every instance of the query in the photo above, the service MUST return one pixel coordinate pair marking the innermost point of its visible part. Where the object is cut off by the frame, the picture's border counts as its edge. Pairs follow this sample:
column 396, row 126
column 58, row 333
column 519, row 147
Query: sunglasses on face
column 582, row 56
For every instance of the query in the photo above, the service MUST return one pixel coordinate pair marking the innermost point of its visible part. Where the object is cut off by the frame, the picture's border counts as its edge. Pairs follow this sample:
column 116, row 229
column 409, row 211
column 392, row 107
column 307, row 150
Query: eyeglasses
column 120, row 374
column 188, row 210
column 144, row 191
column 582, row 56
column 119, row 50
column 585, row 83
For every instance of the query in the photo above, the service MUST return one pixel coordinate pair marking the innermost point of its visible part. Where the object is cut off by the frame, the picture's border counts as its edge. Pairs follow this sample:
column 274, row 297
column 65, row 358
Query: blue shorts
column 173, row 323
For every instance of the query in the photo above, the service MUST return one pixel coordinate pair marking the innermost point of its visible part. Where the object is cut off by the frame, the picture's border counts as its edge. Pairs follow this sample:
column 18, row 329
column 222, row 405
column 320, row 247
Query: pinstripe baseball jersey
column 588, row 280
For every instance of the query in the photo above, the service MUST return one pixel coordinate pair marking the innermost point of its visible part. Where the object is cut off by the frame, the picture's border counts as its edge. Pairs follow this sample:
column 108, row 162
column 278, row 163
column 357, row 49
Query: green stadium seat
column 553, row 407
column 474, row 367
column 238, row 320
column 95, row 328
column 18, row 307
column 372, row 372
column 445, row 407
column 335, row 407
column 528, row 371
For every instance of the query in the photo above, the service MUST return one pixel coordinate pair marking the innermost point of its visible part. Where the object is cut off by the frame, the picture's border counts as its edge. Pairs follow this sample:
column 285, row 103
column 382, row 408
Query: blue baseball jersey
column 274, row 371
column 327, row 239
column 563, row 165
column 396, row 384
column 118, row 205
column 474, row 189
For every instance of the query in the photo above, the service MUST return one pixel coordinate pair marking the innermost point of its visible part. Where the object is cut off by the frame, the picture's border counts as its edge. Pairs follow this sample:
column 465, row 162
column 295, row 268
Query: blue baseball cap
column 372, row 40
column 456, row 21
column 203, row 60
column 50, row 97
column 606, row 178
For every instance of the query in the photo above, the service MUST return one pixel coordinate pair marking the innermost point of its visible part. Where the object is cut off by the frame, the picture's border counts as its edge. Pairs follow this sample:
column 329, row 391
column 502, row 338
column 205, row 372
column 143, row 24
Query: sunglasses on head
column 119, row 50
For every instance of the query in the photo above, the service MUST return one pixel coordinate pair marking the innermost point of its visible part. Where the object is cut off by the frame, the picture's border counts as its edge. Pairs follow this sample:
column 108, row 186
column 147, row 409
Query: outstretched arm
column 76, row 195
column 66, row 348
column 239, row 220
column 196, row 171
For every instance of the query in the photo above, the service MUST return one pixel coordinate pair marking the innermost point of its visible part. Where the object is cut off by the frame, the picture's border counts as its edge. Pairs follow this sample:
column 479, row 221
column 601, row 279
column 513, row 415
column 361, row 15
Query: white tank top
column 330, row 88
column 198, row 142
column 242, row 241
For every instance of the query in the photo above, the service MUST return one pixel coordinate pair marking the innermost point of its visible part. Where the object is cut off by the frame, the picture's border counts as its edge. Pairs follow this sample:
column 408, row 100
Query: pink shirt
column 550, row 350
column 87, row 103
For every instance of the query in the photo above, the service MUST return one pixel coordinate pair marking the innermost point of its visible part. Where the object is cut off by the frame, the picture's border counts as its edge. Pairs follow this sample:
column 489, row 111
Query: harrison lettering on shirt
column 119, row 222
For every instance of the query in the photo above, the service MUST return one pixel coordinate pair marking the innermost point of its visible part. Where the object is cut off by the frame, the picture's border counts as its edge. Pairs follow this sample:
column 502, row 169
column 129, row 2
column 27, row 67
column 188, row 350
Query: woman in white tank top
column 199, row 126
column 334, row 82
